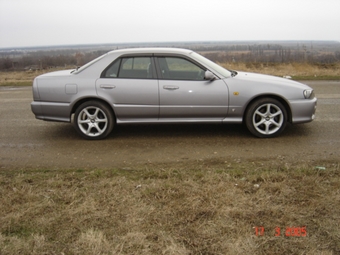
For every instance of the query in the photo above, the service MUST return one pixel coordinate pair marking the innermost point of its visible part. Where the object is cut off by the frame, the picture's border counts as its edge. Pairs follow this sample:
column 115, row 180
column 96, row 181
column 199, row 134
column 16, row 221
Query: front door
column 185, row 95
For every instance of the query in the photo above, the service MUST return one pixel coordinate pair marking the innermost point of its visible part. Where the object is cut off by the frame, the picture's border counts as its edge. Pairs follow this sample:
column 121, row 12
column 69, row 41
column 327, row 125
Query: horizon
column 166, row 43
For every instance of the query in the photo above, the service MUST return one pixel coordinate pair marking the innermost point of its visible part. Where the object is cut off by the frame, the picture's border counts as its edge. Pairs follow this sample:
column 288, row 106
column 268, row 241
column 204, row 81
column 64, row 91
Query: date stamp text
column 288, row 231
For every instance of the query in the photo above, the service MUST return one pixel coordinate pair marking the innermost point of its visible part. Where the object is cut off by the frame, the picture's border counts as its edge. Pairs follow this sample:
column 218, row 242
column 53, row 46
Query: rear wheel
column 93, row 120
column 266, row 117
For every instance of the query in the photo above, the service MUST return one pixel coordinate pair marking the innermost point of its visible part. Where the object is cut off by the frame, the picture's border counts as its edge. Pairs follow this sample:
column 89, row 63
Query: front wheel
column 93, row 120
column 266, row 117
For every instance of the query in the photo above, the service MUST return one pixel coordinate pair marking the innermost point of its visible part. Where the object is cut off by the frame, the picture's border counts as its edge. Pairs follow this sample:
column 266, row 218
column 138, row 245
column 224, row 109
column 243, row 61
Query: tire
column 266, row 118
column 93, row 120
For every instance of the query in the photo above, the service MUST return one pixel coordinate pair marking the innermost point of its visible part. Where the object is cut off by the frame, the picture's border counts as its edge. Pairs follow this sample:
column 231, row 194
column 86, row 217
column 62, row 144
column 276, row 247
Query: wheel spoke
column 260, row 113
column 100, row 130
column 276, row 113
column 263, row 120
column 86, row 121
column 88, row 128
column 267, row 125
column 275, row 123
column 95, row 115
column 101, row 120
column 87, row 113
column 104, row 119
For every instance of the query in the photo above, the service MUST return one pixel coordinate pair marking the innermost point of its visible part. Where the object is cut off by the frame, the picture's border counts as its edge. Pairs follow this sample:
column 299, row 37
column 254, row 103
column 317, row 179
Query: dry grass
column 18, row 78
column 295, row 70
column 22, row 78
column 299, row 71
column 205, row 207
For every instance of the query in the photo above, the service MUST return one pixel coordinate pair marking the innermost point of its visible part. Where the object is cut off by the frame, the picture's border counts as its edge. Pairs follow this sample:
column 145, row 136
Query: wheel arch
column 83, row 100
column 280, row 99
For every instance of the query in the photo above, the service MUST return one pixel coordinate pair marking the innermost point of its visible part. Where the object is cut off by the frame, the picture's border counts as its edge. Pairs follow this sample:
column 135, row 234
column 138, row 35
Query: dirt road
column 29, row 143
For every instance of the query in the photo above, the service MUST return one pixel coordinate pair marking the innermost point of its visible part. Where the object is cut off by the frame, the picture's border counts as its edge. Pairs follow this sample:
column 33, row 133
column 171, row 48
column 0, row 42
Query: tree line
column 46, row 59
column 271, row 54
column 246, row 53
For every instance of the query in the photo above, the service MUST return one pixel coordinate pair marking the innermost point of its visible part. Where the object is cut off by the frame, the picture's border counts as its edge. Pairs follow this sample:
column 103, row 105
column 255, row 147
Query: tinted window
column 174, row 68
column 112, row 71
column 212, row 65
column 132, row 67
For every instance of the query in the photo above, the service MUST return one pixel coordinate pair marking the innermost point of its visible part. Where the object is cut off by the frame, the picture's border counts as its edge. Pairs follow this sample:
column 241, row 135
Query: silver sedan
column 168, row 85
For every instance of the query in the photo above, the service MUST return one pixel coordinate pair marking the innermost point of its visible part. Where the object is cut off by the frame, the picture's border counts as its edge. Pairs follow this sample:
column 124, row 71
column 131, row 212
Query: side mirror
column 209, row 76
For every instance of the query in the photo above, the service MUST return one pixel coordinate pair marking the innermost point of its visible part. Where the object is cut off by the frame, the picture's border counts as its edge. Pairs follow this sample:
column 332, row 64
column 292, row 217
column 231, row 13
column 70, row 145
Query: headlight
column 309, row 93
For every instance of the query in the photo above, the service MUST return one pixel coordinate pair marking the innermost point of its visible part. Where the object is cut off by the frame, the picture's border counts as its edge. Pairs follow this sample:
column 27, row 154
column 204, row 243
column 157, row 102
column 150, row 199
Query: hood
column 269, row 79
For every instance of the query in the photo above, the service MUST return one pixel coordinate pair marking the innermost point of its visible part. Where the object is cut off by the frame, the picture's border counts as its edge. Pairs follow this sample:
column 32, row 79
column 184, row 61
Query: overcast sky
column 65, row 22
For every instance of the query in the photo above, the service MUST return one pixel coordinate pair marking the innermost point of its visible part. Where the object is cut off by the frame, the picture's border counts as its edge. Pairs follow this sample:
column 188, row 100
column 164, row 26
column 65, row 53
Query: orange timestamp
column 289, row 231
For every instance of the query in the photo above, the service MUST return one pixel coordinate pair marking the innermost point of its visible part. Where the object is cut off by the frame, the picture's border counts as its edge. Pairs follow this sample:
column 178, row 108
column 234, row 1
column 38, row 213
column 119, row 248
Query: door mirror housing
column 209, row 76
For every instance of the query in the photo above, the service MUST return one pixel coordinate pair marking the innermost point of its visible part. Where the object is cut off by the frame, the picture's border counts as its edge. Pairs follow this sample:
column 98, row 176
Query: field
column 298, row 71
column 206, row 207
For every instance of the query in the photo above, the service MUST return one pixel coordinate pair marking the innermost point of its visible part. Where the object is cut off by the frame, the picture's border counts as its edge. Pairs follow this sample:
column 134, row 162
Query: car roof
column 151, row 50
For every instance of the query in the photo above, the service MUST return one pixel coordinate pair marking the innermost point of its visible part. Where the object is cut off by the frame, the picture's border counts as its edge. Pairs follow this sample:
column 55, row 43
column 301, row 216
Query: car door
column 185, row 95
column 130, row 84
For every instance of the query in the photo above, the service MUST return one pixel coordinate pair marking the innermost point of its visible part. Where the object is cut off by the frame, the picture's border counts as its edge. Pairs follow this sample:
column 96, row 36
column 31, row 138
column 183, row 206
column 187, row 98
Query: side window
column 131, row 67
column 112, row 71
column 174, row 68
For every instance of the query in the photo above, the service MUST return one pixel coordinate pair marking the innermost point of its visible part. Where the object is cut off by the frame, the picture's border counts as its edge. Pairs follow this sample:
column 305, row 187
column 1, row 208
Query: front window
column 211, row 65
column 174, row 68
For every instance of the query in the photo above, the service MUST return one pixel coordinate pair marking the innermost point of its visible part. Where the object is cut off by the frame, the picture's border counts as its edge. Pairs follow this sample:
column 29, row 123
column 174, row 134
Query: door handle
column 107, row 86
column 170, row 87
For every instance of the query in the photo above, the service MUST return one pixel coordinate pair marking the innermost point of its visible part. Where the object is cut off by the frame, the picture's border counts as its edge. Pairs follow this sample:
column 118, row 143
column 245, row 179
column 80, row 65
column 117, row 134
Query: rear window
column 130, row 67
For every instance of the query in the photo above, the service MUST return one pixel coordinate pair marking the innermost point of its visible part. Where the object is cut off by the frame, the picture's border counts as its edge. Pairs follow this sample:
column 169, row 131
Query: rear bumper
column 51, row 111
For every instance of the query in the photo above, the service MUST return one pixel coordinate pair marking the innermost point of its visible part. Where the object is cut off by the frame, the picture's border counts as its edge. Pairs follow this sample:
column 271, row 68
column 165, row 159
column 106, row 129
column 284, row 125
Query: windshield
column 211, row 65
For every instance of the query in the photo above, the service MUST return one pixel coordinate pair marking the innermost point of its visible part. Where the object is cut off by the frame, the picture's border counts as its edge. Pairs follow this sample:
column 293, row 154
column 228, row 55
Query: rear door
column 130, row 84
column 185, row 95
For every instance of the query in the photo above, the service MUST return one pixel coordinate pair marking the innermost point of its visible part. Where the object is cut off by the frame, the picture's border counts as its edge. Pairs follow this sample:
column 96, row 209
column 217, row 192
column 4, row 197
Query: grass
column 298, row 71
column 204, row 207
column 18, row 78
column 22, row 78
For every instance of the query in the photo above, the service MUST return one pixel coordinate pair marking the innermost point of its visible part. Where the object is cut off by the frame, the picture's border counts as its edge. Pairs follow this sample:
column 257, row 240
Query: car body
column 168, row 85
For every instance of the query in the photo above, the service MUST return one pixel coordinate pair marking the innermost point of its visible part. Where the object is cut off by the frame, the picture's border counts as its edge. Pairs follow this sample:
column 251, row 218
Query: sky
column 26, row 23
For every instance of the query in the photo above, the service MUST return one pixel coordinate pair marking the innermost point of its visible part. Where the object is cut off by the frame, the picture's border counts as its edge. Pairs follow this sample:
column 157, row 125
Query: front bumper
column 303, row 110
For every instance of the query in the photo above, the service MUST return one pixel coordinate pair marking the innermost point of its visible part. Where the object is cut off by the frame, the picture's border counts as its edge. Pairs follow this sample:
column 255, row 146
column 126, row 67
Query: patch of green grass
column 19, row 230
